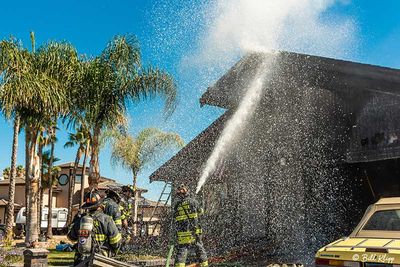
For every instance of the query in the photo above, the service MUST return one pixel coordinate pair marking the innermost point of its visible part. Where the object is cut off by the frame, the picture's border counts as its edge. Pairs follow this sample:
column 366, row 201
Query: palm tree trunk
column 40, row 154
column 41, row 192
column 27, row 177
column 50, row 202
column 41, row 205
column 84, row 171
column 49, row 232
column 72, row 185
column 32, row 183
column 13, row 174
column 135, row 204
column 94, row 174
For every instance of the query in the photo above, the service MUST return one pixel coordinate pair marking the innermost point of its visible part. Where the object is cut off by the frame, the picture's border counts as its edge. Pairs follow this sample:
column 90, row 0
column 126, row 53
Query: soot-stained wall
column 283, row 183
column 308, row 163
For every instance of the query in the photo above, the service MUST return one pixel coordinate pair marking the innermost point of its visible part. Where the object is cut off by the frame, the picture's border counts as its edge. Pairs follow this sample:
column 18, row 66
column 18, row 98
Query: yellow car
column 374, row 243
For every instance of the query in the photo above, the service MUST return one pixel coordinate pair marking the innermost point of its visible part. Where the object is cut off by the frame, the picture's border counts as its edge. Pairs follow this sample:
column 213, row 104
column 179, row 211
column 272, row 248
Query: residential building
column 320, row 145
column 61, row 191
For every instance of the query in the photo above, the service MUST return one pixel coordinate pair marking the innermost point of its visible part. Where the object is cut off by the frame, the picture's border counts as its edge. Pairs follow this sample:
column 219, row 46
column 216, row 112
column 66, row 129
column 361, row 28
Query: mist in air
column 290, row 158
column 241, row 26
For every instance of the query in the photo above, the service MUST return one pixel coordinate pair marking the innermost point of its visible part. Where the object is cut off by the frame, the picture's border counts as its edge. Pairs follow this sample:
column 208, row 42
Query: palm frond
column 69, row 144
column 155, row 144
column 122, row 54
column 116, row 78
column 152, row 82
column 151, row 144
column 125, row 152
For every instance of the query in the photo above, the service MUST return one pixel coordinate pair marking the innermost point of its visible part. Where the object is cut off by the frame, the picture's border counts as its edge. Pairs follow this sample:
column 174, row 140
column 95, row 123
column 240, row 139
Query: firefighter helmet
column 128, row 188
column 182, row 190
column 92, row 199
column 112, row 194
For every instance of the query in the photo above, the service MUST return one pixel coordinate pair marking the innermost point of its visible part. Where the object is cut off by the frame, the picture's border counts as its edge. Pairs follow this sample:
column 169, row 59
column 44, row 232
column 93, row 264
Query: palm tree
column 20, row 172
column 111, row 81
column 42, row 142
column 83, row 175
column 14, row 88
column 58, row 61
column 53, row 139
column 11, row 188
column 49, row 181
column 38, row 94
column 6, row 173
column 76, row 120
column 138, row 153
column 13, row 65
column 79, row 138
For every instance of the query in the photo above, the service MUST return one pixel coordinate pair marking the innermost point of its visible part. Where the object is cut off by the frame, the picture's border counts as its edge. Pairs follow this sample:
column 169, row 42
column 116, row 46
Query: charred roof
column 360, row 86
column 344, row 77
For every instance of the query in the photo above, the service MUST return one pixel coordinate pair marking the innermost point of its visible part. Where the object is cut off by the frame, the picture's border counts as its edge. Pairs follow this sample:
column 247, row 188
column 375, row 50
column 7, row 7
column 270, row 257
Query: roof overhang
column 302, row 70
column 4, row 202
column 194, row 152
column 354, row 82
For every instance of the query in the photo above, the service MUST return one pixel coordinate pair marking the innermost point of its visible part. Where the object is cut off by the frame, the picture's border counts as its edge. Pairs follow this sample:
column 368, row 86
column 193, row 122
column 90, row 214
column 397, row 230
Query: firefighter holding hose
column 187, row 212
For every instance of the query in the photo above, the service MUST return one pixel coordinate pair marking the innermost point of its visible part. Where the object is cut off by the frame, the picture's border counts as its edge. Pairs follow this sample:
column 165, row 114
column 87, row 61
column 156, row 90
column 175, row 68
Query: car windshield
column 384, row 220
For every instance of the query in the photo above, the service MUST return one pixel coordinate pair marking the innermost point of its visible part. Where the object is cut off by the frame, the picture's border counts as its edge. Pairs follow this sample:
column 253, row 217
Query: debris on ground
column 64, row 247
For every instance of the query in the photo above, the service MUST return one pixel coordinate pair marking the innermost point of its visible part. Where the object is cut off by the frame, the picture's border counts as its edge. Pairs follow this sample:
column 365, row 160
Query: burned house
column 322, row 144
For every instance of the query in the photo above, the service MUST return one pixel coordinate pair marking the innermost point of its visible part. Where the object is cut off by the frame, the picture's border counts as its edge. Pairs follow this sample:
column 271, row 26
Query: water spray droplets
column 235, row 126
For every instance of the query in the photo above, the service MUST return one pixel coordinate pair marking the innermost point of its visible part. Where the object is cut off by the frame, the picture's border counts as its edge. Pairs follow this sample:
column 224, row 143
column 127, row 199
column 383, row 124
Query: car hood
column 363, row 250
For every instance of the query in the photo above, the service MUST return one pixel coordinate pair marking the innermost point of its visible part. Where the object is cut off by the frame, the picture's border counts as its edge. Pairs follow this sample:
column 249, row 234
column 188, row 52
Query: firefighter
column 126, row 205
column 95, row 231
column 188, row 229
column 111, row 207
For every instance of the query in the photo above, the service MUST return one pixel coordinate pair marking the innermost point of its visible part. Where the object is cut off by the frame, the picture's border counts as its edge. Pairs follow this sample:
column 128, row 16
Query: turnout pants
column 182, row 253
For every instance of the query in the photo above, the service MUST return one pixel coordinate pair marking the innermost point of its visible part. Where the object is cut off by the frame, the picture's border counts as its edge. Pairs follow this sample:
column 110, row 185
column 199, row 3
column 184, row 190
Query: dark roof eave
column 328, row 73
column 160, row 173
column 208, row 99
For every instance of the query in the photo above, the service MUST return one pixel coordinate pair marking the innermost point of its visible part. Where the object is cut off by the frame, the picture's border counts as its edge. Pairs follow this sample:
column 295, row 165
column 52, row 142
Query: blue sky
column 166, row 38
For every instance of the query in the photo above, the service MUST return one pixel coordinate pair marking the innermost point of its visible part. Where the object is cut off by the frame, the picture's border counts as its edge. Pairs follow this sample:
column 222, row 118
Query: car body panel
column 349, row 250
column 367, row 246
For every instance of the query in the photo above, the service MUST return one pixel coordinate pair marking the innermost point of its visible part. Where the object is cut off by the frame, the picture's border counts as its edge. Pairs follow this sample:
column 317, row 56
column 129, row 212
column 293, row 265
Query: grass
column 59, row 258
column 10, row 256
column 11, row 259
column 55, row 258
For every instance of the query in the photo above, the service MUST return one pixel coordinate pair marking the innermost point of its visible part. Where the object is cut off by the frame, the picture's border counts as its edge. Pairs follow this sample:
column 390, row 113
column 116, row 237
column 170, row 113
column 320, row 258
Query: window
column 63, row 179
column 385, row 220
column 54, row 215
column 78, row 179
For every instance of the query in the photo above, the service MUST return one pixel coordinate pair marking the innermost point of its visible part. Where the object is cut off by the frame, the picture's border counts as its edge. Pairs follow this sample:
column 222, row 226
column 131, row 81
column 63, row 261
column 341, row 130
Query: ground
column 57, row 258
column 12, row 255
